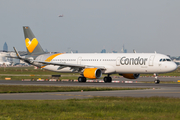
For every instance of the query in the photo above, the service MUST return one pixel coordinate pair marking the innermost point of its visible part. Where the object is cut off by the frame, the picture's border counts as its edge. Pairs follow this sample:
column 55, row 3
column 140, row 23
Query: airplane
column 93, row 65
column 61, row 15
column 5, row 63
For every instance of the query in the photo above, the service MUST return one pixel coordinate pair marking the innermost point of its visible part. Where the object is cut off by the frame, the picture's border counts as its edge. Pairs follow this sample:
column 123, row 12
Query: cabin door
column 151, row 60
column 79, row 60
column 118, row 61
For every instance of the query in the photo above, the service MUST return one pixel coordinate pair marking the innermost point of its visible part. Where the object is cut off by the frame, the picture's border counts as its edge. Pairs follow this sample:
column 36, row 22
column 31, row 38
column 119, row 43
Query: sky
column 93, row 25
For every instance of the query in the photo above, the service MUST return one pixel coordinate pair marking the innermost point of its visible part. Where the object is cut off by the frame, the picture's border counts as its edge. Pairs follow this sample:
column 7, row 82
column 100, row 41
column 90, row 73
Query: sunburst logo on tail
column 31, row 45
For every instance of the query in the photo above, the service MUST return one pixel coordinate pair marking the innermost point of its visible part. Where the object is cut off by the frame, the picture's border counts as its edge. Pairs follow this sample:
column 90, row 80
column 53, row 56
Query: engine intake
column 130, row 76
column 92, row 73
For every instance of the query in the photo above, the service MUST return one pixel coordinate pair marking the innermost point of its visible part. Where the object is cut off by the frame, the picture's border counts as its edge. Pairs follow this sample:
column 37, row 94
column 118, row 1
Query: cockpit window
column 163, row 60
column 168, row 59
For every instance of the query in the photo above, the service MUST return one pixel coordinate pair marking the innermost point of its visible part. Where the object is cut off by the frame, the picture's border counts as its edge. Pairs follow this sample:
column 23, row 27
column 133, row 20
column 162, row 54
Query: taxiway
column 161, row 90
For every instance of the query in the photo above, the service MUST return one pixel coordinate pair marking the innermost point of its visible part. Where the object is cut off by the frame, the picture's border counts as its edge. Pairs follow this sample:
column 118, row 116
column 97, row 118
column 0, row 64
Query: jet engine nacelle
column 131, row 76
column 92, row 73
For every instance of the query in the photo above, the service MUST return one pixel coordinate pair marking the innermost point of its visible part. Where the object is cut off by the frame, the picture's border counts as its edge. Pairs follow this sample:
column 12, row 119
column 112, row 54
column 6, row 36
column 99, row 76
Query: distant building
column 74, row 51
column 71, row 51
column 114, row 51
column 5, row 47
column 7, row 60
column 103, row 51
column 124, row 50
column 46, row 50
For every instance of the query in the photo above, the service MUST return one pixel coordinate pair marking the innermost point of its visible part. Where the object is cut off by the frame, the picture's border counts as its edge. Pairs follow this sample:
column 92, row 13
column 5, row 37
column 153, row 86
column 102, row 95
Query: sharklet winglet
column 18, row 55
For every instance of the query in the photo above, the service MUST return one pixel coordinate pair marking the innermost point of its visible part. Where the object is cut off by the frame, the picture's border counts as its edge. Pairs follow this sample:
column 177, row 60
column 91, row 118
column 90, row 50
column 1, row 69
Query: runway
column 165, row 90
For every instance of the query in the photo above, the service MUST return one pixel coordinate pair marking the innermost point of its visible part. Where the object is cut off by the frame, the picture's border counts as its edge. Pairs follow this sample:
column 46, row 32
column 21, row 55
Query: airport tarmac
column 165, row 90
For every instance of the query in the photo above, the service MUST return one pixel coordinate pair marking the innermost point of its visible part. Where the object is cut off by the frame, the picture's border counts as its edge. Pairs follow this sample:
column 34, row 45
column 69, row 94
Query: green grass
column 26, row 72
column 30, row 71
column 36, row 77
column 34, row 88
column 101, row 108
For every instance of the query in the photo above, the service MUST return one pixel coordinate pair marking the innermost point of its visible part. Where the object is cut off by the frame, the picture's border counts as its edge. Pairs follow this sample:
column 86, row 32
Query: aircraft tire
column 156, row 81
column 81, row 79
column 107, row 79
column 84, row 79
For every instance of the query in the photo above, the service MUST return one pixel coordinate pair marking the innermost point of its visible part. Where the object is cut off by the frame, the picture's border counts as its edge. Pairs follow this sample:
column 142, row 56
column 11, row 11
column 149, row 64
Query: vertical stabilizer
column 32, row 45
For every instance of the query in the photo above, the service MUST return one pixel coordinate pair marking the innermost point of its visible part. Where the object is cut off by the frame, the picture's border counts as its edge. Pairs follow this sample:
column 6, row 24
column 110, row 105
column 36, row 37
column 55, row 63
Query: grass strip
column 30, row 71
column 36, row 77
column 34, row 88
column 101, row 108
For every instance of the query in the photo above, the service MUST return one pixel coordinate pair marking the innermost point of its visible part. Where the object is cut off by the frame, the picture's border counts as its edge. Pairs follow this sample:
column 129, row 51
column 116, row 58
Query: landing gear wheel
column 107, row 79
column 156, row 81
column 81, row 79
column 84, row 79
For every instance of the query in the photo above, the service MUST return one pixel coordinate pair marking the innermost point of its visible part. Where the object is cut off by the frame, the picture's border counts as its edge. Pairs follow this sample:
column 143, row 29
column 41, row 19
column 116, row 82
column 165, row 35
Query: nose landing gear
column 156, row 81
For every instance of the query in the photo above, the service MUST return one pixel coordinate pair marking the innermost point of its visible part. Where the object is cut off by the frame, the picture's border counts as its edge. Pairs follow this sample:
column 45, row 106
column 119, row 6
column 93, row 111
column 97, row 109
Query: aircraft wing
column 12, row 57
column 74, row 67
column 70, row 65
column 19, row 57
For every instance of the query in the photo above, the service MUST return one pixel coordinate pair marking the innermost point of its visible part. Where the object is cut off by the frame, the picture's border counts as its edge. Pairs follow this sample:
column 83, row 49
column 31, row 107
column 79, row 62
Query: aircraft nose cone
column 173, row 66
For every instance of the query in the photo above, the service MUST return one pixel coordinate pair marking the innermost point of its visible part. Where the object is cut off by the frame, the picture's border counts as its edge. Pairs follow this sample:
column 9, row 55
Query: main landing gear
column 156, row 81
column 81, row 79
column 107, row 79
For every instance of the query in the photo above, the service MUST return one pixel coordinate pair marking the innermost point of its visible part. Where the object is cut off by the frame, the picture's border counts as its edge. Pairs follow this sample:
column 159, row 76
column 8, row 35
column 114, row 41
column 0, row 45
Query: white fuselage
column 113, row 62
